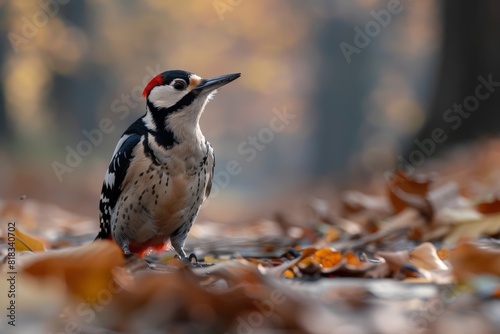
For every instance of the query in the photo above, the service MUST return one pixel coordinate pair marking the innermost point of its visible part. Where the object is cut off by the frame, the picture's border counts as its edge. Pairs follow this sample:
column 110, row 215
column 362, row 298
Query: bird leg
column 177, row 241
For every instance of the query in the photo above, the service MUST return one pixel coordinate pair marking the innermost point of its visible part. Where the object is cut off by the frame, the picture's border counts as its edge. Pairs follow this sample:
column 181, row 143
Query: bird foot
column 192, row 261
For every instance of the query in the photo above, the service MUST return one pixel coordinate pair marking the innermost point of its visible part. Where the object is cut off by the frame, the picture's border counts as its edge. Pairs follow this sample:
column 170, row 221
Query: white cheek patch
column 166, row 96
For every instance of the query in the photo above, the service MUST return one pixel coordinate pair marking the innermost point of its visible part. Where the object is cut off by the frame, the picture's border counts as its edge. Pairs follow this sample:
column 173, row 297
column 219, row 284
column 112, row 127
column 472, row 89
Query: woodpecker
column 162, row 167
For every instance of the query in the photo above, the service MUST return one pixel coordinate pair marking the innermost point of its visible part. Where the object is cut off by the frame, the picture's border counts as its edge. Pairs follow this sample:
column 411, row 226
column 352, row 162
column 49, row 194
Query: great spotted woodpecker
column 162, row 167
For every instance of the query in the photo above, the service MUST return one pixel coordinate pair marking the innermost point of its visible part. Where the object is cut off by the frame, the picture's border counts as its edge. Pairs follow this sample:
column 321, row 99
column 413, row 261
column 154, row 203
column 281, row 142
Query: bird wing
column 114, row 179
column 210, row 174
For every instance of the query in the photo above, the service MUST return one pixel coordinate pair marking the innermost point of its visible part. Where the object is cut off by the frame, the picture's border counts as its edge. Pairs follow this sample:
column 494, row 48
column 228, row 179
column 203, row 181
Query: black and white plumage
column 161, row 170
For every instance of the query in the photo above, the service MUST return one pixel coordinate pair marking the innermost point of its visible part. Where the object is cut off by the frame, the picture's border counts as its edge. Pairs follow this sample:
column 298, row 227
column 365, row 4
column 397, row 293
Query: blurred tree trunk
column 470, row 49
column 84, row 86
column 339, row 87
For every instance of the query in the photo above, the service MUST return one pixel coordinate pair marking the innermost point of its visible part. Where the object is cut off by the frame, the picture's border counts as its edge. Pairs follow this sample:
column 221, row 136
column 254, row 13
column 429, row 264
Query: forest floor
column 412, row 253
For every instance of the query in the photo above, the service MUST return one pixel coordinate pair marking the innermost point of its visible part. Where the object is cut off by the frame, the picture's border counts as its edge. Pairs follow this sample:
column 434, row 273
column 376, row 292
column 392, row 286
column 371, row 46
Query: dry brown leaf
column 443, row 253
column 425, row 256
column 86, row 270
column 468, row 260
column 489, row 206
column 487, row 225
column 453, row 216
column 409, row 191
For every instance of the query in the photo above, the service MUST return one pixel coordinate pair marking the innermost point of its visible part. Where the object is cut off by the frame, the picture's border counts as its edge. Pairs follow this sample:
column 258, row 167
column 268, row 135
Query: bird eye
column 180, row 85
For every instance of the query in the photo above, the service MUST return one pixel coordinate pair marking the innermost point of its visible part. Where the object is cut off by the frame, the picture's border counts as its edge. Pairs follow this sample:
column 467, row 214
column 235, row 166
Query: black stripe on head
column 160, row 114
column 184, row 102
column 169, row 76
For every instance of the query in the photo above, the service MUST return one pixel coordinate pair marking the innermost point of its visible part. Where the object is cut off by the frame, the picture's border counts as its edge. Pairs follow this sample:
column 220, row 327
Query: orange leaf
column 288, row 274
column 327, row 258
column 469, row 260
column 86, row 270
column 353, row 260
column 26, row 242
column 443, row 253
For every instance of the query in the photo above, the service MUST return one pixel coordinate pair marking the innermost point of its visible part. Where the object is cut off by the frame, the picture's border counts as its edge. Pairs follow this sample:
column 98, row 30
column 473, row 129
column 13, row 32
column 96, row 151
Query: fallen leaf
column 352, row 260
column 327, row 257
column 26, row 242
column 468, row 260
column 425, row 256
column 409, row 191
column 443, row 253
column 86, row 270
column 489, row 206
column 288, row 274
column 280, row 269
column 487, row 225
column 308, row 266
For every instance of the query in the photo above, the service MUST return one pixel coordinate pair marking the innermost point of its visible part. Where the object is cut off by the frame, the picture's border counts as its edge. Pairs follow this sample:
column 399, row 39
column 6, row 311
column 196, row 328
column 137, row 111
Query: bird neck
column 182, row 125
column 185, row 127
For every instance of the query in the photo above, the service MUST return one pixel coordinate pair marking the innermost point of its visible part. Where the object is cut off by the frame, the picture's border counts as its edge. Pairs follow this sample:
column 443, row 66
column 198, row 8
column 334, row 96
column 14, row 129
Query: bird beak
column 216, row 82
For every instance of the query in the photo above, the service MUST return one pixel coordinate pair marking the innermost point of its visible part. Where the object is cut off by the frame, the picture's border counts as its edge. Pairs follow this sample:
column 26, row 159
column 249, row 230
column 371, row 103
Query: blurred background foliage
column 64, row 74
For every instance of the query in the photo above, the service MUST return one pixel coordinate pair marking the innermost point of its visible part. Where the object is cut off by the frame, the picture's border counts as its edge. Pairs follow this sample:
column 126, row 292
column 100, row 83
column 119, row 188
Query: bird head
column 180, row 95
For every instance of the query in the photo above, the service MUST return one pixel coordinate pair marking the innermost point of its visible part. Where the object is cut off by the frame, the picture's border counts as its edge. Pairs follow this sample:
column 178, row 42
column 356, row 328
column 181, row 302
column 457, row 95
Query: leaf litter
column 419, row 255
